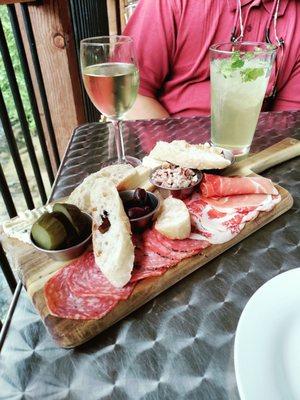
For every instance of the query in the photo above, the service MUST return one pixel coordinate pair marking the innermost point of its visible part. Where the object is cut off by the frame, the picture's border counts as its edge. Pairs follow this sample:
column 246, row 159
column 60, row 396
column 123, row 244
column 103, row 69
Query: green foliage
column 4, row 84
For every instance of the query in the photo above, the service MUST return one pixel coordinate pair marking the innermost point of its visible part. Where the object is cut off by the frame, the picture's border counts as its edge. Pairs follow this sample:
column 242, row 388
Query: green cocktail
column 239, row 75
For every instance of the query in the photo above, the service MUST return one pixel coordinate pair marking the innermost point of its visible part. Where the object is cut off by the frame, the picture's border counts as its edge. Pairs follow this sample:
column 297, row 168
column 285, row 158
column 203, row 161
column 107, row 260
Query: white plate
column 267, row 342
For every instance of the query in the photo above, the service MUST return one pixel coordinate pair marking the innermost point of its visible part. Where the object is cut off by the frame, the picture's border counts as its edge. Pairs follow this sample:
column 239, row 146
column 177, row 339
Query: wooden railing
column 47, row 35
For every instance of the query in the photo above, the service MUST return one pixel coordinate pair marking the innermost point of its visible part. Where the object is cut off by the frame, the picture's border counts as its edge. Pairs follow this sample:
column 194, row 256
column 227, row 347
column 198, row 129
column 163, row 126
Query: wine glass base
column 135, row 162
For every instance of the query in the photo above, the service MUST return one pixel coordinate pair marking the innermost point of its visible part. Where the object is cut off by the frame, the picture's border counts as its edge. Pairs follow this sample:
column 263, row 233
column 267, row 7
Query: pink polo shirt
column 172, row 40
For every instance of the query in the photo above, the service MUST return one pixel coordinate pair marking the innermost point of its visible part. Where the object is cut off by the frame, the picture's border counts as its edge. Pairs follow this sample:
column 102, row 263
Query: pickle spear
column 72, row 212
column 73, row 237
column 48, row 232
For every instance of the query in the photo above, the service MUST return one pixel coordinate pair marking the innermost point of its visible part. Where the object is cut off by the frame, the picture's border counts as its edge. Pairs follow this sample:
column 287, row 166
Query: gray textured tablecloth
column 180, row 345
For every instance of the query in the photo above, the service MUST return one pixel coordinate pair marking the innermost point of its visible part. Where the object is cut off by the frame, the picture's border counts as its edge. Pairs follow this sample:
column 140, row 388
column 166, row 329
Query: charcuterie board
column 35, row 268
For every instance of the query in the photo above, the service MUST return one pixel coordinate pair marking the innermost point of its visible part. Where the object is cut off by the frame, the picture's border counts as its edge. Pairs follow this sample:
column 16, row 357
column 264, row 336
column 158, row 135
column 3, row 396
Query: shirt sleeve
column 153, row 29
column 288, row 97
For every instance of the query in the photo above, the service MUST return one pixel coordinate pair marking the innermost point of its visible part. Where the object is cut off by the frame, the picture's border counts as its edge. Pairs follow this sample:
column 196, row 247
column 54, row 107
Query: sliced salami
column 185, row 245
column 150, row 242
column 149, row 263
column 86, row 279
column 80, row 291
column 146, row 272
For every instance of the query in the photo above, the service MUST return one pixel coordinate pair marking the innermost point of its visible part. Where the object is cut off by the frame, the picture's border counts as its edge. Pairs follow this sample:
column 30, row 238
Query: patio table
column 179, row 345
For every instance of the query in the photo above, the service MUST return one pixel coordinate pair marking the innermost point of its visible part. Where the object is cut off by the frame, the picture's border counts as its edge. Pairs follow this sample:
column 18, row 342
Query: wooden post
column 52, row 26
column 122, row 13
column 116, row 15
column 113, row 18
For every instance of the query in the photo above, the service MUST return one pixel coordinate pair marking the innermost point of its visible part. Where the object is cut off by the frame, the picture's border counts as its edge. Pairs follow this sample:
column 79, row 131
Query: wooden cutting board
column 35, row 268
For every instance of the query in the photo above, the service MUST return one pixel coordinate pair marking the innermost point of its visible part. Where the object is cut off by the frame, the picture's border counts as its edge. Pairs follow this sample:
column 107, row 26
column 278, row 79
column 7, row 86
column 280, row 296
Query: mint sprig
column 250, row 74
column 236, row 62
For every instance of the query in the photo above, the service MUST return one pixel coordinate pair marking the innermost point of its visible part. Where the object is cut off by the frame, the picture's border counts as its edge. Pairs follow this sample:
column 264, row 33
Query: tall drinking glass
column 239, row 75
column 111, row 79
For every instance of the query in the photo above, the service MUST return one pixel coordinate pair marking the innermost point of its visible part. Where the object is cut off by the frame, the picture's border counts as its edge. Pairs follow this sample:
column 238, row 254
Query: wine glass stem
column 119, row 141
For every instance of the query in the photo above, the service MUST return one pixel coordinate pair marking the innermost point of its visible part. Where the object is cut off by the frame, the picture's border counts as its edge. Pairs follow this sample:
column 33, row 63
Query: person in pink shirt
column 172, row 40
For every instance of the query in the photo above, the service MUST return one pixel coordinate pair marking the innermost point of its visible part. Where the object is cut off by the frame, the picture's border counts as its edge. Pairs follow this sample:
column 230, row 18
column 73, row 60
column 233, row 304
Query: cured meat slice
column 218, row 220
column 64, row 304
column 143, row 273
column 185, row 245
column 150, row 242
column 243, row 203
column 86, row 279
column 149, row 263
column 214, row 227
column 221, row 186
column 80, row 291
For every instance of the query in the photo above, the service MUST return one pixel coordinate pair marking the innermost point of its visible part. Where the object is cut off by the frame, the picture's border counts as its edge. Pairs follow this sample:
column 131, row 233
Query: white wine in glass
column 111, row 79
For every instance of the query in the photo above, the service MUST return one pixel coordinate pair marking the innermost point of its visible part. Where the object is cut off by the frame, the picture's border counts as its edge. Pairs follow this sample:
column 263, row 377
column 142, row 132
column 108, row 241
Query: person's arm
column 146, row 108
column 153, row 29
column 288, row 97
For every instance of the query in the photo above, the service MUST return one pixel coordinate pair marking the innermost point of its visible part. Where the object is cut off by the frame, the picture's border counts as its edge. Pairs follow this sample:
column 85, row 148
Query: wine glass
column 111, row 79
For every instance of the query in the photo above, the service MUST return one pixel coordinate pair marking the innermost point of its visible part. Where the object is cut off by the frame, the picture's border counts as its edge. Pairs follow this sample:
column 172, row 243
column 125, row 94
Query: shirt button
column 248, row 28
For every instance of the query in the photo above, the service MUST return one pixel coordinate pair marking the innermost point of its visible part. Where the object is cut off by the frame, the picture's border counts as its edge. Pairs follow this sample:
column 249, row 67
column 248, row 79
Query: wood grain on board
column 35, row 269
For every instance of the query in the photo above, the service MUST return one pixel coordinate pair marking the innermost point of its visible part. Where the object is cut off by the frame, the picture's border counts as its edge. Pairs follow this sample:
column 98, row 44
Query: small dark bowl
column 70, row 252
column 141, row 223
column 179, row 193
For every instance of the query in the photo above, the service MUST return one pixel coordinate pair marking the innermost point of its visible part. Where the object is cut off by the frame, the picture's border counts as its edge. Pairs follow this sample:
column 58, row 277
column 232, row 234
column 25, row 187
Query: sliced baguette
column 151, row 163
column 142, row 175
column 147, row 185
column 174, row 219
column 120, row 175
column 113, row 248
column 123, row 176
column 197, row 156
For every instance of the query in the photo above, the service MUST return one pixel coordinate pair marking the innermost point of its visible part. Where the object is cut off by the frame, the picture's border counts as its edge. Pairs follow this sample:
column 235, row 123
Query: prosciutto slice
column 242, row 203
column 220, row 220
column 221, row 186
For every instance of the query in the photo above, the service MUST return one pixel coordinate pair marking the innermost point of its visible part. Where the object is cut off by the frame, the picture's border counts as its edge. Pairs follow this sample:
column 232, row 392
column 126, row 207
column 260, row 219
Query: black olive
column 140, row 195
column 104, row 227
column 136, row 212
column 147, row 209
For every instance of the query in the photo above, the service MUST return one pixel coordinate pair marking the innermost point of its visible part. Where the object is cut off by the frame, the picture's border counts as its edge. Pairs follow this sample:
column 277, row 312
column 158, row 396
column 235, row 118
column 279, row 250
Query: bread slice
column 112, row 244
column 147, row 185
column 142, row 175
column 123, row 176
column 151, row 163
column 196, row 156
column 174, row 219
column 120, row 175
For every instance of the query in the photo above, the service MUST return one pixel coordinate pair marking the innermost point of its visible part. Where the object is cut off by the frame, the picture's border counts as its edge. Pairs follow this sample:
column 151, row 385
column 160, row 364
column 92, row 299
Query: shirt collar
column 267, row 4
